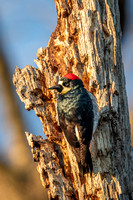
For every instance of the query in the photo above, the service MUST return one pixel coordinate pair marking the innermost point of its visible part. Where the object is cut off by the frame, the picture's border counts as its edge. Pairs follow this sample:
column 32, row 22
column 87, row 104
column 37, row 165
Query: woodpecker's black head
column 67, row 83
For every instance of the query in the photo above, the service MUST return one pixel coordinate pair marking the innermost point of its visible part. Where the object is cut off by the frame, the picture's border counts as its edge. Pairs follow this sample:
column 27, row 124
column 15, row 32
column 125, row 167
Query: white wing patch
column 95, row 111
column 77, row 133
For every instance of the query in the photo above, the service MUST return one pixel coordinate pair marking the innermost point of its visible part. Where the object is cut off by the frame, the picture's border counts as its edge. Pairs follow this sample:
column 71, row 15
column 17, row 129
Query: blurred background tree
column 26, row 26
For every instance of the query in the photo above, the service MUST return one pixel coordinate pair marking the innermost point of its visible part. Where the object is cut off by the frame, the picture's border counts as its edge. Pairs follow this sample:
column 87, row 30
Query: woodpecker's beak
column 58, row 87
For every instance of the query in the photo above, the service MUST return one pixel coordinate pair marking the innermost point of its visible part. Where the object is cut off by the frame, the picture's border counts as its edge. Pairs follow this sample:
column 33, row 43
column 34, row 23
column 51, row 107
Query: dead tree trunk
column 86, row 42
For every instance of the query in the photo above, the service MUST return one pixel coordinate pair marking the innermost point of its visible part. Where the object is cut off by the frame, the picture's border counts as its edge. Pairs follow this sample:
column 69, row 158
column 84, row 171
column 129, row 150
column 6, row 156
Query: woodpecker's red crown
column 72, row 76
column 67, row 83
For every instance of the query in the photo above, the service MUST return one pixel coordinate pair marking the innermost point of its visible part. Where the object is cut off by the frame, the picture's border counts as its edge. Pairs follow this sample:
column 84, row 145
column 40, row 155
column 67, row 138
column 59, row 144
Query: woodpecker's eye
column 66, row 84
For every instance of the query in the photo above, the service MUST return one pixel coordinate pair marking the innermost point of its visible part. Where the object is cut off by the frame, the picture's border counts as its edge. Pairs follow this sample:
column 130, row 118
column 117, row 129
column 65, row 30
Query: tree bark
column 15, row 159
column 86, row 42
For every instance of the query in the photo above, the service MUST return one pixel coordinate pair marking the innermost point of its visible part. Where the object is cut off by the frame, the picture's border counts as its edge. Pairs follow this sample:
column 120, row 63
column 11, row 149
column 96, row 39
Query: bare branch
column 85, row 42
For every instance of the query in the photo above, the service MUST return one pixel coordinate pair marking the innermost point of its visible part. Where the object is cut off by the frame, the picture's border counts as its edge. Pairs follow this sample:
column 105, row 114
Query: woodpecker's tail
column 88, row 163
column 86, row 160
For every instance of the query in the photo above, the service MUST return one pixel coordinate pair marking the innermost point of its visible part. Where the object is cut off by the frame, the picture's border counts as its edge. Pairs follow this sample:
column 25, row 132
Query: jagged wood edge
column 30, row 88
column 105, row 182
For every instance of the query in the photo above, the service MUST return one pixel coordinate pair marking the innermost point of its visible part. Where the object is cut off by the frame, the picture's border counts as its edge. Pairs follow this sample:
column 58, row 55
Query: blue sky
column 26, row 26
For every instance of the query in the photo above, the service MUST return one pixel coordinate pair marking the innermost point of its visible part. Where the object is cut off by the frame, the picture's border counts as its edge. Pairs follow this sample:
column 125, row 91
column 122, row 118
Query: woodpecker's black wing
column 68, row 128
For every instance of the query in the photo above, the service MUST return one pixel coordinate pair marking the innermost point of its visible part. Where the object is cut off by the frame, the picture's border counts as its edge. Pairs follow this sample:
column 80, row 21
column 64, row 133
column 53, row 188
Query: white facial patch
column 60, row 82
column 65, row 89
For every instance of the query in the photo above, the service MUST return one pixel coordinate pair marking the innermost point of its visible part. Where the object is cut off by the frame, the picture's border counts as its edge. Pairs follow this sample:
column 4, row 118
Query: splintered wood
column 85, row 42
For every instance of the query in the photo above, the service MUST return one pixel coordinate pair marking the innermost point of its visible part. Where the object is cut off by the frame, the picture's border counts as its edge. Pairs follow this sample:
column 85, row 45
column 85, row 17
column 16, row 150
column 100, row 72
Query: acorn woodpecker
column 78, row 116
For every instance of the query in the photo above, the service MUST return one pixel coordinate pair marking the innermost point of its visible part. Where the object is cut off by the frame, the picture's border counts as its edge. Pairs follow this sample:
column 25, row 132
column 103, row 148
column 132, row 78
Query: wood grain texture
column 85, row 42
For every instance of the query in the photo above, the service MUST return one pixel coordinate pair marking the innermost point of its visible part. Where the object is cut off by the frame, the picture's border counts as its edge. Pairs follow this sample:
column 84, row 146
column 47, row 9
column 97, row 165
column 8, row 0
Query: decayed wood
column 86, row 42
